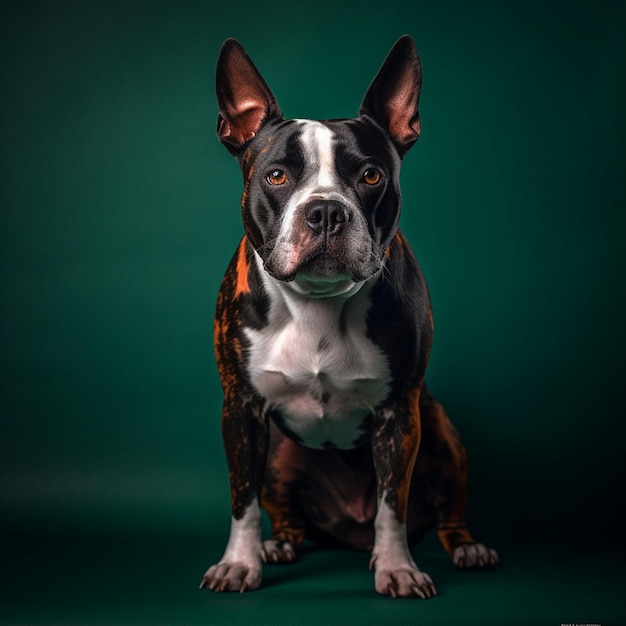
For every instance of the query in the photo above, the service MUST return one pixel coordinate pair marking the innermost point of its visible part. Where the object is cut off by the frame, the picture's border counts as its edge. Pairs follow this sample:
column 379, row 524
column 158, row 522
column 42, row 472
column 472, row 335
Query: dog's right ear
column 244, row 99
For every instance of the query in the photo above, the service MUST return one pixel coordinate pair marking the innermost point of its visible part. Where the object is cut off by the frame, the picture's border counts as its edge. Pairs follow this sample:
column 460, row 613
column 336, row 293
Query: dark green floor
column 153, row 579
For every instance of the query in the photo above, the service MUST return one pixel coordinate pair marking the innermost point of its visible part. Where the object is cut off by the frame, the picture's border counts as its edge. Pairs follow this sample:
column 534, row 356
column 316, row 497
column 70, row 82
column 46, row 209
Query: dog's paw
column 232, row 576
column 474, row 556
column 405, row 582
column 278, row 552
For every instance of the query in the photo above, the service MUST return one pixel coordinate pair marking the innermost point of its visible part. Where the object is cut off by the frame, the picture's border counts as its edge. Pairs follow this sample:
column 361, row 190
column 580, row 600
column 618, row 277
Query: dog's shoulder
column 400, row 317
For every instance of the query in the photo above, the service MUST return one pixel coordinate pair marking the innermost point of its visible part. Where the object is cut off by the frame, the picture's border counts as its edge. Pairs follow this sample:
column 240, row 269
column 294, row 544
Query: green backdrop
column 120, row 211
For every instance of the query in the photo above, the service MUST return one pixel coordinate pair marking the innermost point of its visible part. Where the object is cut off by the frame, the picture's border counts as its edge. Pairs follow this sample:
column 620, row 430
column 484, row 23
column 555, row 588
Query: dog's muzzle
column 326, row 241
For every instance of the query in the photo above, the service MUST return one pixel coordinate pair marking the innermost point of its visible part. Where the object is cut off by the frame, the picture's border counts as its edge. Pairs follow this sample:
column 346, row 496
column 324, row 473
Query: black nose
column 326, row 215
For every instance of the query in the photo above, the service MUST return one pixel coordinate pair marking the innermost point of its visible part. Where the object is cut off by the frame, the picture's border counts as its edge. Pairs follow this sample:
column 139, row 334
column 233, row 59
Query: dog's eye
column 276, row 177
column 371, row 176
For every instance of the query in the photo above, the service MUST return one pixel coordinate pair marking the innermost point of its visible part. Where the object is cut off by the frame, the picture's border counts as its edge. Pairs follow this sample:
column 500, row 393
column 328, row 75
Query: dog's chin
column 324, row 288
column 326, row 276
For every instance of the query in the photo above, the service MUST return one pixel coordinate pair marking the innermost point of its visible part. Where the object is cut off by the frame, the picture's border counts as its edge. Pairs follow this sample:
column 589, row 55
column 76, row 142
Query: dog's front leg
column 395, row 442
column 245, row 434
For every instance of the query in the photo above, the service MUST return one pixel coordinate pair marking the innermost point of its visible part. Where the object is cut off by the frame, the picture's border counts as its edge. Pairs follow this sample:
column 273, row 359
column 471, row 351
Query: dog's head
column 321, row 200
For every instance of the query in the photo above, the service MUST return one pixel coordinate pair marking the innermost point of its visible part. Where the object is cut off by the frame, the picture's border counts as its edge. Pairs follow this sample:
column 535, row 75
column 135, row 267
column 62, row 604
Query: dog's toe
column 405, row 583
column 474, row 556
column 278, row 551
column 226, row 576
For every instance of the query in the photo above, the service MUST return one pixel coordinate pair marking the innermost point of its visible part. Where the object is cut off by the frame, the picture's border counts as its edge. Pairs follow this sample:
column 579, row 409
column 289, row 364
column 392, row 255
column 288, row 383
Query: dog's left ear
column 393, row 97
column 245, row 101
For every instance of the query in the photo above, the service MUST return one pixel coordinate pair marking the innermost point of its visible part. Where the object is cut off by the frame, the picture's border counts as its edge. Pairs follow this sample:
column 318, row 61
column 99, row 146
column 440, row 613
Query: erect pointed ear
column 393, row 97
column 244, row 99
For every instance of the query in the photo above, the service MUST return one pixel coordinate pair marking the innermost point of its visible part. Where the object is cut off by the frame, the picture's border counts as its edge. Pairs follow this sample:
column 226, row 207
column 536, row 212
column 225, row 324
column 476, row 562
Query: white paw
column 397, row 575
column 404, row 582
column 232, row 576
column 474, row 556
column 278, row 552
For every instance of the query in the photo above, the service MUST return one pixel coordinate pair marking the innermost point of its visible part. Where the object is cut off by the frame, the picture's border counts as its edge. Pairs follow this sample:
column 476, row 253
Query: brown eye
column 277, row 177
column 371, row 176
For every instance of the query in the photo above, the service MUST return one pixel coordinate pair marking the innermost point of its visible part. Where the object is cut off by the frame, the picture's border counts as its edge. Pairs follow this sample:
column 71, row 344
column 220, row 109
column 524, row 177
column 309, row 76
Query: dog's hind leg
column 442, row 467
column 285, row 465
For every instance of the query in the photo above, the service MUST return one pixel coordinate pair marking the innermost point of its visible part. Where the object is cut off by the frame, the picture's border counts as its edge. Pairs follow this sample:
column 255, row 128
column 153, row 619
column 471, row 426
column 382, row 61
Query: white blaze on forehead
column 318, row 142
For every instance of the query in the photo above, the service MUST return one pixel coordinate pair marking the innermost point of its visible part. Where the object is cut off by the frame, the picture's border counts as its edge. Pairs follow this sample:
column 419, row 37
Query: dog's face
column 321, row 200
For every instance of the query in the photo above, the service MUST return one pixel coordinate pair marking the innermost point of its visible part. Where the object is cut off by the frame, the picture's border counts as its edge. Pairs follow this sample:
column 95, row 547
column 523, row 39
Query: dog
column 323, row 331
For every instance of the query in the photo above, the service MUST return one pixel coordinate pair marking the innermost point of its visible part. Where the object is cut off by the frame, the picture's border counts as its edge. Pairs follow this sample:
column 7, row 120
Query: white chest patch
column 313, row 363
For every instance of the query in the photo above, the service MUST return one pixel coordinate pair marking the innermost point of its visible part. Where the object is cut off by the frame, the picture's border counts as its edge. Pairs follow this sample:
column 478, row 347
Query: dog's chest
column 319, row 373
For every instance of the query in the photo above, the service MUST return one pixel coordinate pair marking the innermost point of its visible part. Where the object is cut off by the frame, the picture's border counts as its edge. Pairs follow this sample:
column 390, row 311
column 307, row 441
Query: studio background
column 120, row 211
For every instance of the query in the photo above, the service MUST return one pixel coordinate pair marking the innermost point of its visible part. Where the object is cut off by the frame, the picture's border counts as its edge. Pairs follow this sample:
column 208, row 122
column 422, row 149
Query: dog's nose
column 326, row 215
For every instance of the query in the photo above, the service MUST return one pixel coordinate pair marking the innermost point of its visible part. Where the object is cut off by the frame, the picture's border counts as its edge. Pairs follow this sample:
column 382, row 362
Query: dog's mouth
column 324, row 266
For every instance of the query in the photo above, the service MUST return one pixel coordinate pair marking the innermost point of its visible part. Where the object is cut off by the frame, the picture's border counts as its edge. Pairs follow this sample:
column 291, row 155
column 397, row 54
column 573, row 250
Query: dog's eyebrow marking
column 321, row 137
